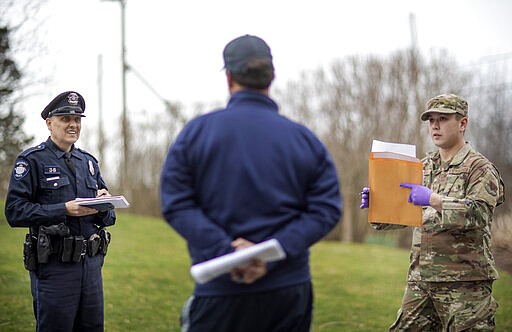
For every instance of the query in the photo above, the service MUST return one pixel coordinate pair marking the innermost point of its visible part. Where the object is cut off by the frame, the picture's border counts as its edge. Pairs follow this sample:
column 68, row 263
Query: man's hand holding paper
column 251, row 272
column 246, row 264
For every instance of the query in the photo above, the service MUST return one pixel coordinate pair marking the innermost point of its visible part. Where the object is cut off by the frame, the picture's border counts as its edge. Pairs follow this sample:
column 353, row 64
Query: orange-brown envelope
column 388, row 201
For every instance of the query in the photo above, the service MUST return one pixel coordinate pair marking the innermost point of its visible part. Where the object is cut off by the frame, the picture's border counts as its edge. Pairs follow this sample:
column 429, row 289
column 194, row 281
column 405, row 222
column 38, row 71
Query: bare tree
column 490, row 117
column 13, row 81
column 363, row 98
column 148, row 150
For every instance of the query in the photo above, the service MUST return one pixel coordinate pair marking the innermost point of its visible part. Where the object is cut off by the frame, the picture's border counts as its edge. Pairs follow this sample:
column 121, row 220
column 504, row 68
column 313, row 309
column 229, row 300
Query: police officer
column 449, row 284
column 66, row 244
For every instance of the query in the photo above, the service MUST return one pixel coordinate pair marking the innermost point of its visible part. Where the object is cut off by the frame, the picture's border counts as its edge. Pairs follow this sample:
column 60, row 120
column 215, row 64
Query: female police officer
column 65, row 247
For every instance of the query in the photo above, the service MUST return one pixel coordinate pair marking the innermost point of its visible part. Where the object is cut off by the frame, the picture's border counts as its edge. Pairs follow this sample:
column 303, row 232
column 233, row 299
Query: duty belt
column 73, row 249
column 56, row 239
column 57, row 246
column 70, row 248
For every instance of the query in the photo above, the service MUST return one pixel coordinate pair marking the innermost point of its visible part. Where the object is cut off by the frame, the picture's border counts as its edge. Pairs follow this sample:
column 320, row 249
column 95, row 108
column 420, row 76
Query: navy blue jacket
column 246, row 171
column 41, row 183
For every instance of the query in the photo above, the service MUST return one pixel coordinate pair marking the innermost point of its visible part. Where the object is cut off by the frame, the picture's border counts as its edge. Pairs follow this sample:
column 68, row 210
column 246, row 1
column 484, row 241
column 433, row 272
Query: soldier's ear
column 463, row 123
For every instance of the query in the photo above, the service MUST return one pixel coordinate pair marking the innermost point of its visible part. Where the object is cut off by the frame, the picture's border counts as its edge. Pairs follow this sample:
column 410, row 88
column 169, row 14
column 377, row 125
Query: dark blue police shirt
column 41, row 183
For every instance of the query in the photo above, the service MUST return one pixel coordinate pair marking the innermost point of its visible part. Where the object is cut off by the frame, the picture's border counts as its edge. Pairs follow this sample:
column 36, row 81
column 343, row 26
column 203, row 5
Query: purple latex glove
column 420, row 195
column 365, row 198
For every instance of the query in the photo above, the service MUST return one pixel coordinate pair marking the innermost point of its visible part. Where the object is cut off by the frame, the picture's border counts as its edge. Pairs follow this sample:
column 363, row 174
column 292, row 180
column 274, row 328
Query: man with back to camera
column 66, row 244
column 449, row 284
column 239, row 176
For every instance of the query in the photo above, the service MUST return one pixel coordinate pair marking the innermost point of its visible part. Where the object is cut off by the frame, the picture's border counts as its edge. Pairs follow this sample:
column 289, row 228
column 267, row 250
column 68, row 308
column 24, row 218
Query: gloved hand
column 365, row 198
column 420, row 195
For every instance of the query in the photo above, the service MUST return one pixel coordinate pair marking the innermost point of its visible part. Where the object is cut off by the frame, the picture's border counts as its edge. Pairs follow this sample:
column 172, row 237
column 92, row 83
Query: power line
column 168, row 105
column 491, row 88
column 496, row 57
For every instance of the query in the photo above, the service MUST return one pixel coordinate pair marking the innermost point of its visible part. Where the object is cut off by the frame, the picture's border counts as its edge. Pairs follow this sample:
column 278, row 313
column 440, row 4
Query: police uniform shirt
column 41, row 183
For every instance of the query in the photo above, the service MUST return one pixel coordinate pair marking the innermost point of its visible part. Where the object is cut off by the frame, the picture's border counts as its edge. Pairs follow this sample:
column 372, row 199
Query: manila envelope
column 388, row 201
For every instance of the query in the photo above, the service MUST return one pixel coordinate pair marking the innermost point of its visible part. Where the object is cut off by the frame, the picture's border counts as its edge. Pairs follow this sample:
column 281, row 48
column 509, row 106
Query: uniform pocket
column 53, row 189
column 91, row 183
column 54, row 183
column 455, row 186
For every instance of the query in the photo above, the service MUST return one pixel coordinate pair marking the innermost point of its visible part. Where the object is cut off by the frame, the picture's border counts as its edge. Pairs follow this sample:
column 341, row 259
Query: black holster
column 104, row 240
column 30, row 252
column 48, row 239
column 93, row 245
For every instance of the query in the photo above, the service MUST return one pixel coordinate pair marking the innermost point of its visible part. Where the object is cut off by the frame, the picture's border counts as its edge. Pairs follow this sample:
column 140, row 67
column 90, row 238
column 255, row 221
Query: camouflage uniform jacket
column 455, row 244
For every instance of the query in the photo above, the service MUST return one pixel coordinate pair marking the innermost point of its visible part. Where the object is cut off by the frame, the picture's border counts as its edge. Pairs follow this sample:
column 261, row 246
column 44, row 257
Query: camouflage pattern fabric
column 452, row 268
column 455, row 244
column 446, row 103
column 447, row 306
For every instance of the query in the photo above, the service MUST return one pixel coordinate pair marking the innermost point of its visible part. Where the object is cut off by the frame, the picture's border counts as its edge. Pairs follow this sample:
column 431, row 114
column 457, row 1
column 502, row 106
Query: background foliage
column 347, row 102
column 358, row 287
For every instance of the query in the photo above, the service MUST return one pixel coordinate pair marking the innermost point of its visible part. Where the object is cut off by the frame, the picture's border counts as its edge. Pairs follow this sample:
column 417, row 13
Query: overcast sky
column 177, row 45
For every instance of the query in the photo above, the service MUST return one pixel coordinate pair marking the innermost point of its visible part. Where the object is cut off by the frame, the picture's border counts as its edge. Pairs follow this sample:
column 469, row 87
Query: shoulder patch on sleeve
column 21, row 169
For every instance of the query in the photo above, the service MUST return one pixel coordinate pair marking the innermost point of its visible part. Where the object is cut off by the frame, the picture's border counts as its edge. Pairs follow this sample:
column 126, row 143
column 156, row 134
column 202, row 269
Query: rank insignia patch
column 21, row 169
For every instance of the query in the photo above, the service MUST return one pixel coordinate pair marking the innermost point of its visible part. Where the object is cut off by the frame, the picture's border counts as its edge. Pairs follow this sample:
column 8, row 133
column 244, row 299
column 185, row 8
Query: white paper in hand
column 400, row 148
column 267, row 251
column 117, row 202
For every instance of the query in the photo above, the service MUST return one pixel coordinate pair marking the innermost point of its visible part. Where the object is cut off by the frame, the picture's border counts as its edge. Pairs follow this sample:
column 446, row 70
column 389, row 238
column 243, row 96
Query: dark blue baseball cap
column 69, row 102
column 239, row 51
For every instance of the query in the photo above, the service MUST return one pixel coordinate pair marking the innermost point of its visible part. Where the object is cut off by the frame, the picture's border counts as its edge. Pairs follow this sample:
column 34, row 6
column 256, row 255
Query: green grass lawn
column 146, row 281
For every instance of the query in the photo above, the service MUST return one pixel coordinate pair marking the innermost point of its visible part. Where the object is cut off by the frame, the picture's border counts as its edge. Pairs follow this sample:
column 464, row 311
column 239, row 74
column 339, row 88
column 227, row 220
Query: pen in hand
column 102, row 192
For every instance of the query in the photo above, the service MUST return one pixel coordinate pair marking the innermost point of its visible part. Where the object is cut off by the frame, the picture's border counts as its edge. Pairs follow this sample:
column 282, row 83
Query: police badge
column 73, row 99
column 91, row 167
column 20, row 169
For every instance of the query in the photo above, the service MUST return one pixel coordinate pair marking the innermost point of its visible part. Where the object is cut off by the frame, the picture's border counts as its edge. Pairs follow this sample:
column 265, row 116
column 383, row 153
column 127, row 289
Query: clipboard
column 388, row 201
column 104, row 203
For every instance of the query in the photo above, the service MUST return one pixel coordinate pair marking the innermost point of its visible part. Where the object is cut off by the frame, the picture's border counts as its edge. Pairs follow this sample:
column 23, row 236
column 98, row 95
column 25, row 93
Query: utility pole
column 414, row 34
column 101, row 130
column 123, row 179
column 124, row 119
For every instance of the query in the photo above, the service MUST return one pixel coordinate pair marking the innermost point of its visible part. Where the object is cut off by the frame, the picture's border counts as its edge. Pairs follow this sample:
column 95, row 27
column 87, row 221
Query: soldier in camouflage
column 452, row 269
